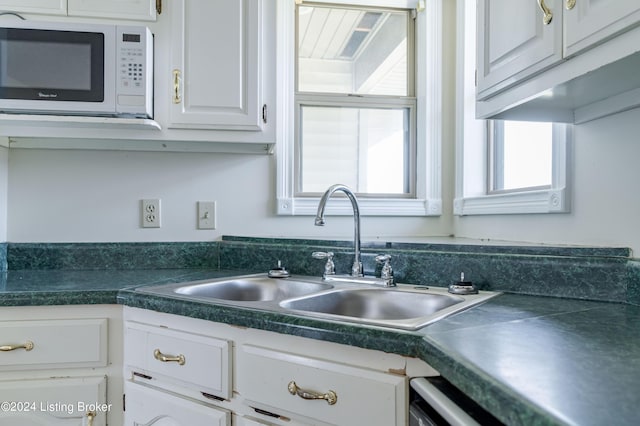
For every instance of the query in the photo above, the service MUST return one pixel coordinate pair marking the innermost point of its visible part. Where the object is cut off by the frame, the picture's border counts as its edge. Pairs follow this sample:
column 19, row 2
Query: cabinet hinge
column 264, row 113
column 124, row 402
column 159, row 6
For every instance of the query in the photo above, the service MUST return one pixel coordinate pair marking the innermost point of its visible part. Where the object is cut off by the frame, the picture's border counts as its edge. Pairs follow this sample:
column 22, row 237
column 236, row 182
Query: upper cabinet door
column 216, row 64
column 143, row 10
column 593, row 21
column 514, row 42
column 49, row 7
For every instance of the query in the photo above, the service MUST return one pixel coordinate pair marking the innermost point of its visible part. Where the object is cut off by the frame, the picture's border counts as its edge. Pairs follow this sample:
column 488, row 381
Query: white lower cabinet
column 319, row 391
column 146, row 406
column 61, row 365
column 76, row 401
column 249, row 421
column 179, row 357
column 54, row 343
column 273, row 379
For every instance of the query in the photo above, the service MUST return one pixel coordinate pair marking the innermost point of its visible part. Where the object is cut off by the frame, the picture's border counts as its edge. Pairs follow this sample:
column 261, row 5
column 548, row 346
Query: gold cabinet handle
column 90, row 416
column 548, row 15
column 27, row 346
column 177, row 78
column 331, row 397
column 570, row 4
column 168, row 358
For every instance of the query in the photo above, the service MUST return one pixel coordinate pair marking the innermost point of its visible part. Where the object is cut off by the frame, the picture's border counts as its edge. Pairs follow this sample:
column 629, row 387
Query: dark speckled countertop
column 72, row 287
column 528, row 359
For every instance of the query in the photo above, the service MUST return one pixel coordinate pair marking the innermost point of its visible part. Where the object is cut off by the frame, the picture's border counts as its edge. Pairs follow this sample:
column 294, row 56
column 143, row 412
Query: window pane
column 352, row 51
column 366, row 149
column 527, row 155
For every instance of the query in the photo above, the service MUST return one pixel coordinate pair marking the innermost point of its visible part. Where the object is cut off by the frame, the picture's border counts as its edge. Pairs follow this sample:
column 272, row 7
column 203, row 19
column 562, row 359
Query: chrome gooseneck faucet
column 356, row 269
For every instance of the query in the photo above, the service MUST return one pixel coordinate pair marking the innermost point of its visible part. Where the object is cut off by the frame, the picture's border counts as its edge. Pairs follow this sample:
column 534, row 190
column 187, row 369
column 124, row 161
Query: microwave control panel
column 134, row 49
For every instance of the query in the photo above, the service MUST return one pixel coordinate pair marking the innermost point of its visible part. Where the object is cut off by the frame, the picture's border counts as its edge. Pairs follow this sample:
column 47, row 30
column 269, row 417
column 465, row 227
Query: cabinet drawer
column 54, row 401
column 145, row 406
column 198, row 361
column 53, row 344
column 362, row 396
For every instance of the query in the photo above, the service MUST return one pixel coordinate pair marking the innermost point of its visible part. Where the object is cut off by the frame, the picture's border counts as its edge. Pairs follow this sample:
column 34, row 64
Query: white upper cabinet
column 50, row 7
column 214, row 82
column 217, row 60
column 120, row 9
column 592, row 21
column 556, row 60
column 515, row 43
column 144, row 10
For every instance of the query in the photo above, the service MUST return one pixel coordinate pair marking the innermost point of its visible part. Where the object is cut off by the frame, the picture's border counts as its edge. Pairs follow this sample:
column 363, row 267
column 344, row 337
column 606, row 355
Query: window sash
column 410, row 155
column 429, row 79
column 495, row 135
column 366, row 102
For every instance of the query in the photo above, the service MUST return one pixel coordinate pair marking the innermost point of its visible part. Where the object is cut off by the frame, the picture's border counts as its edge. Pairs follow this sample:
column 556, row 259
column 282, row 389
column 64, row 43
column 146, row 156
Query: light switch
column 206, row 215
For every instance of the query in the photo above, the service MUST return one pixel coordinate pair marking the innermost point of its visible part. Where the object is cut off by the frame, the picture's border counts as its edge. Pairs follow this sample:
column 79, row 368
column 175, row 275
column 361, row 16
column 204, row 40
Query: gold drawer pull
column 331, row 397
column 548, row 15
column 570, row 4
column 168, row 358
column 27, row 346
column 90, row 416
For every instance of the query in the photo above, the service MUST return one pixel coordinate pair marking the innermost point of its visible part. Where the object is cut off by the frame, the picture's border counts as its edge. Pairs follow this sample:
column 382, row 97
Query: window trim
column 471, row 140
column 429, row 30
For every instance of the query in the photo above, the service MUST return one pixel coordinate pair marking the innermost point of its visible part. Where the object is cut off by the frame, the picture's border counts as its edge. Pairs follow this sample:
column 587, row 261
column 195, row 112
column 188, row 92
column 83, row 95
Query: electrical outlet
column 150, row 213
column 206, row 215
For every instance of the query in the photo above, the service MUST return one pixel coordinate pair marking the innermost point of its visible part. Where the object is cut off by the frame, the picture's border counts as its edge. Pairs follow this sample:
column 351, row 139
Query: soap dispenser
column 463, row 287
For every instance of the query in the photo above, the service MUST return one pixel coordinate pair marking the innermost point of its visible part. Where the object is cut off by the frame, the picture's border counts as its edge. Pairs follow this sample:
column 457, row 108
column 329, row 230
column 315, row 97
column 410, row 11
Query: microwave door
column 56, row 71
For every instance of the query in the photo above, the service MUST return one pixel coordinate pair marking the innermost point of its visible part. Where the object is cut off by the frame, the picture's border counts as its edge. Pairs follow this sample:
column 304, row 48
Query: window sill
column 368, row 207
column 540, row 201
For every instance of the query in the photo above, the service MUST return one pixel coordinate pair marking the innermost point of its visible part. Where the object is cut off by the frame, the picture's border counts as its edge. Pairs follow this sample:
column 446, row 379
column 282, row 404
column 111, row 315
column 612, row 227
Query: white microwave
column 76, row 69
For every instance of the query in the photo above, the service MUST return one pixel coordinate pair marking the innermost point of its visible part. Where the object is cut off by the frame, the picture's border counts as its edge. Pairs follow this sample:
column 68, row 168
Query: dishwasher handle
column 444, row 406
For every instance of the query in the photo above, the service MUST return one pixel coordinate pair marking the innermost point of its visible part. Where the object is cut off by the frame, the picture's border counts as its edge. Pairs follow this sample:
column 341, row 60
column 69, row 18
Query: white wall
column 606, row 196
column 94, row 196
column 83, row 196
column 4, row 173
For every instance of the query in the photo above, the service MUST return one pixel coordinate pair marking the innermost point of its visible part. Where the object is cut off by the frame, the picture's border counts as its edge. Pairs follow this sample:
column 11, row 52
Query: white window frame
column 472, row 162
column 429, row 30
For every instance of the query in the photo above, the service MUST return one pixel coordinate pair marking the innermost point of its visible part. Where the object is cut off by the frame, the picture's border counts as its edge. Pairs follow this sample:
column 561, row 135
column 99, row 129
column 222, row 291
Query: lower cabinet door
column 150, row 407
column 77, row 401
column 248, row 421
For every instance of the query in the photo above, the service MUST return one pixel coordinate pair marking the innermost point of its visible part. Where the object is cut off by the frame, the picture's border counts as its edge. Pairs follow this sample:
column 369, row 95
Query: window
column 355, row 108
column 521, row 155
column 355, row 105
column 504, row 167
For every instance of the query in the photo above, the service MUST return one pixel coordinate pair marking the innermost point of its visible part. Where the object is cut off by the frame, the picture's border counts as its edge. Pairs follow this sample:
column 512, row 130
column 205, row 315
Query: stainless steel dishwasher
column 436, row 402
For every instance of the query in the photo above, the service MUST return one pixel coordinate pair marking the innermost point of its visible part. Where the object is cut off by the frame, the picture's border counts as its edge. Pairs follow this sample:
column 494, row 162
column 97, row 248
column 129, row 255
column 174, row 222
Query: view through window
column 355, row 104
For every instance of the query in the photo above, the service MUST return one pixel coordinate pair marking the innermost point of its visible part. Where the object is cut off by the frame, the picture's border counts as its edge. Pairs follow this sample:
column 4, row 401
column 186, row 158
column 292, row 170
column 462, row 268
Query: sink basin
column 243, row 289
column 374, row 304
column 403, row 307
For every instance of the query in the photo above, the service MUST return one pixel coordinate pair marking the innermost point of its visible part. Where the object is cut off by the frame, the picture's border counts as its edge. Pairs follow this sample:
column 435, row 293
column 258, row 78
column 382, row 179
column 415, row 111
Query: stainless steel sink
column 374, row 304
column 243, row 289
column 404, row 307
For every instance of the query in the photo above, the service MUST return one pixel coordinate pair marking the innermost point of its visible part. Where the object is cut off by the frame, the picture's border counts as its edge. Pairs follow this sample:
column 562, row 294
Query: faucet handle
column 329, row 267
column 386, row 272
